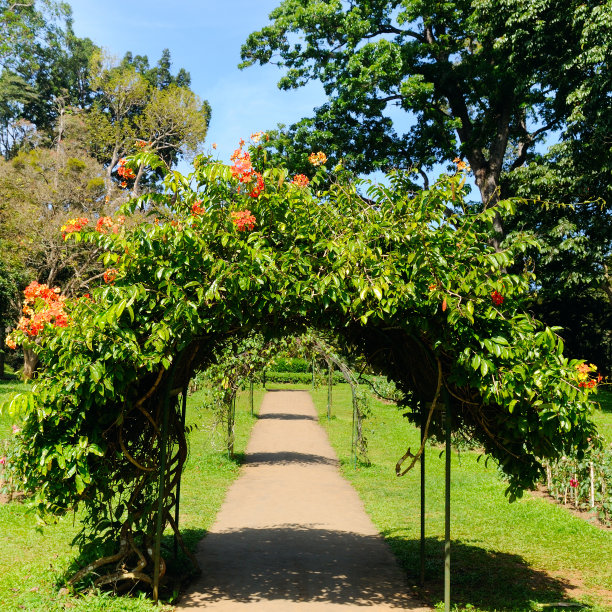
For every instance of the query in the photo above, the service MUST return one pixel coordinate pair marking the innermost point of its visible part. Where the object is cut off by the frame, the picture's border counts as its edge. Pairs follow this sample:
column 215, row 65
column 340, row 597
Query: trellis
column 402, row 278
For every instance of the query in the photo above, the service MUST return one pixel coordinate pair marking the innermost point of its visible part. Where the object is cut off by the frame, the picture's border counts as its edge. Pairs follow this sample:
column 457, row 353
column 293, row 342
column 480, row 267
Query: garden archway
column 406, row 278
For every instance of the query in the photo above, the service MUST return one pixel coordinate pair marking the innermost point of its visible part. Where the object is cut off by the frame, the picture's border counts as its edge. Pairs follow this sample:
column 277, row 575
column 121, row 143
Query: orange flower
column 461, row 165
column 258, row 187
column 243, row 220
column 197, row 208
column 317, row 159
column 110, row 275
column 11, row 343
column 74, row 225
column 301, row 180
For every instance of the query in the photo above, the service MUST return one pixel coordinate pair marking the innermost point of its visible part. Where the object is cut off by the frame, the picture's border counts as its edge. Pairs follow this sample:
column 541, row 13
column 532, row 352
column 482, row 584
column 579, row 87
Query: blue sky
column 204, row 37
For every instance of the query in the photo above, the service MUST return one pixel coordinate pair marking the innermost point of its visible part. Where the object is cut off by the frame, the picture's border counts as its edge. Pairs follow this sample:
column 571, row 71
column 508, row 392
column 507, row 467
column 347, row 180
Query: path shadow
column 287, row 458
column 487, row 579
column 298, row 563
column 282, row 416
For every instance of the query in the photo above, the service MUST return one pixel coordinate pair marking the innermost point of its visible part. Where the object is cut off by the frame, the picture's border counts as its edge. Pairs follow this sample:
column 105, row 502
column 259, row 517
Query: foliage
column 130, row 113
column 406, row 279
column 586, row 483
column 40, row 190
column 521, row 557
column 43, row 68
column 38, row 560
column 479, row 79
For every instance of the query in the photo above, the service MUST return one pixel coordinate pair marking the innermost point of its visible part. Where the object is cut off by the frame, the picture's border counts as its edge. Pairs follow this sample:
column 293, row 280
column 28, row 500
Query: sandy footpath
column 292, row 534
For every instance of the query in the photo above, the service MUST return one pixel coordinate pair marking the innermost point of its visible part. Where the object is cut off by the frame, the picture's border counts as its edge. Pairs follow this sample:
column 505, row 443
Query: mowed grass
column 521, row 556
column 34, row 560
column 602, row 415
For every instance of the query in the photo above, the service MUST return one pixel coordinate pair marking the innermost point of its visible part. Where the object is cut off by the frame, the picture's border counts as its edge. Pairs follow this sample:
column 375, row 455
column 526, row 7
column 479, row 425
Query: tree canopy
column 482, row 80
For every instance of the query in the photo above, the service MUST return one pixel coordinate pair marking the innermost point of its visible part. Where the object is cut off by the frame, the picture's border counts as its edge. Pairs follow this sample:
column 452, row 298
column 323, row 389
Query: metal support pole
column 163, row 443
column 353, row 436
column 447, row 501
column 230, row 426
column 329, row 389
column 313, row 373
column 423, row 424
column 178, row 485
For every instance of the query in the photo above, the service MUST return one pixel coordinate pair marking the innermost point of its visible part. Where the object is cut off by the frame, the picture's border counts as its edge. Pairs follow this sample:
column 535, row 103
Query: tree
column 41, row 61
column 130, row 113
column 40, row 190
column 480, row 79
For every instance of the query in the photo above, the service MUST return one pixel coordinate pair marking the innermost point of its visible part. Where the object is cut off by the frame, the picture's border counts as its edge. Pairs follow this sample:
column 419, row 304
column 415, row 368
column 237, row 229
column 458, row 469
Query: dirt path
column 292, row 533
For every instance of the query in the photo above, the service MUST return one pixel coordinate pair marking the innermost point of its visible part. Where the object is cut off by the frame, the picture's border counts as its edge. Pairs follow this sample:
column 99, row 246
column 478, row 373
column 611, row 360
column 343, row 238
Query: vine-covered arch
column 406, row 277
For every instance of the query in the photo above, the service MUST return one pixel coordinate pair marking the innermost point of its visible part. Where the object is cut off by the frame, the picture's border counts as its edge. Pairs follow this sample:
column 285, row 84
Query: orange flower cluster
column 461, row 165
column 197, row 208
column 110, row 275
column 497, row 298
column 74, row 225
column 244, row 172
column 317, row 159
column 141, row 144
column 106, row 224
column 256, row 137
column 584, row 369
column 301, row 180
column 126, row 173
column 243, row 220
column 42, row 305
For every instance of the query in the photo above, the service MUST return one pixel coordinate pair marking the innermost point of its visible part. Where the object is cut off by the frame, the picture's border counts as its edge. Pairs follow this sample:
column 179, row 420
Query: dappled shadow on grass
column 180, row 570
column 487, row 579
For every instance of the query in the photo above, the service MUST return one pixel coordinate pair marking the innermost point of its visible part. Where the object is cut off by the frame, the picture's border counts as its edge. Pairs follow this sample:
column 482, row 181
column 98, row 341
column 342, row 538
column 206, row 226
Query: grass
column 521, row 557
column 602, row 415
column 33, row 560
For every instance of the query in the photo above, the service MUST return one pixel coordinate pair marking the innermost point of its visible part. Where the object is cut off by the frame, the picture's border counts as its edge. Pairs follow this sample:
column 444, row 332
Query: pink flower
column 573, row 482
column 16, row 429
column 2, row 460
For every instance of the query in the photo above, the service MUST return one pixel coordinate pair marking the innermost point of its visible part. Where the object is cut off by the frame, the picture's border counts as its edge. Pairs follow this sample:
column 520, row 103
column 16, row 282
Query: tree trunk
column 30, row 362
column 488, row 184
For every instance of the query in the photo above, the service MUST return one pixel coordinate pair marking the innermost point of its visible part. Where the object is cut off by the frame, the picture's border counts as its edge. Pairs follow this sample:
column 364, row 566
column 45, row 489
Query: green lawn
column 34, row 560
column 505, row 556
column 603, row 414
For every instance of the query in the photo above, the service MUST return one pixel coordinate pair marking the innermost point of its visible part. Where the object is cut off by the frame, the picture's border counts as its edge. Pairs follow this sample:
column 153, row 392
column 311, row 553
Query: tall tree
column 41, row 62
column 138, row 106
column 480, row 79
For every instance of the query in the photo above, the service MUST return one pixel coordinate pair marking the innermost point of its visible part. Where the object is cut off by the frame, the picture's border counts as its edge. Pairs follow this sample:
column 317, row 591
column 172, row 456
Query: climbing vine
column 405, row 278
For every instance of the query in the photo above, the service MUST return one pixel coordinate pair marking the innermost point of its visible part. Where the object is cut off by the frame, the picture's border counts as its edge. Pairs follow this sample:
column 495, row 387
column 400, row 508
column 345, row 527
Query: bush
column 291, row 364
column 302, row 377
column 584, row 483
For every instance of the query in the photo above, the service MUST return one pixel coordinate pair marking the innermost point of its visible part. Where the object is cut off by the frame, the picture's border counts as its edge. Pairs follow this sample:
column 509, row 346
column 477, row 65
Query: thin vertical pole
column 447, row 501
column 329, row 389
column 178, row 485
column 252, row 412
column 230, row 426
column 423, row 423
column 353, row 441
column 161, row 493
column 313, row 373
